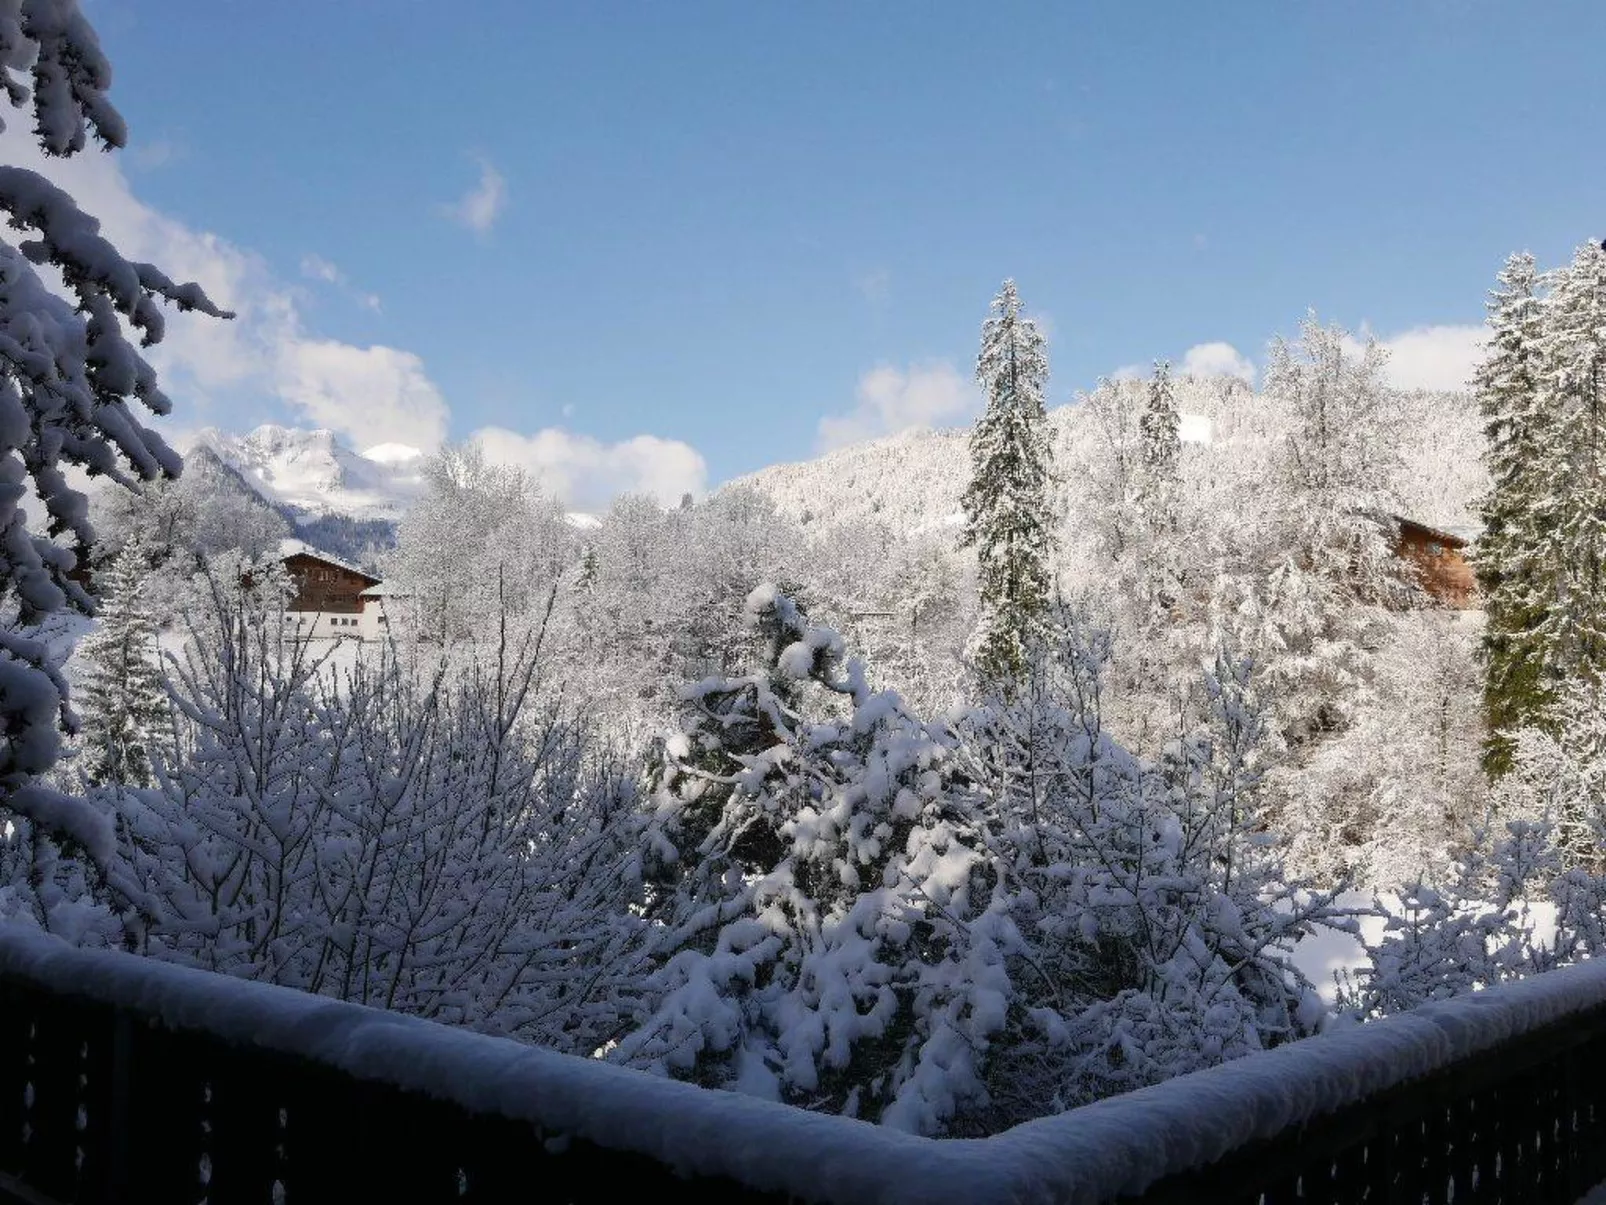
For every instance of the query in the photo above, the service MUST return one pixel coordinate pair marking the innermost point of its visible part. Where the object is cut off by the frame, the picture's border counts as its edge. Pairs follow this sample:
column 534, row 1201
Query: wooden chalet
column 334, row 599
column 324, row 583
column 1440, row 561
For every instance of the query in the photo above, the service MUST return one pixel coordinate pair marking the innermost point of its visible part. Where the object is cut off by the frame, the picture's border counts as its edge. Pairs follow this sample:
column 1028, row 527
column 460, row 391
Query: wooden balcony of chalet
column 127, row 1080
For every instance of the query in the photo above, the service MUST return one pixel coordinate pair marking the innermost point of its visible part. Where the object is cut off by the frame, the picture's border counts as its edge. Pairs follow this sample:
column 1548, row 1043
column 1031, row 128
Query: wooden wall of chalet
column 1441, row 565
column 321, row 586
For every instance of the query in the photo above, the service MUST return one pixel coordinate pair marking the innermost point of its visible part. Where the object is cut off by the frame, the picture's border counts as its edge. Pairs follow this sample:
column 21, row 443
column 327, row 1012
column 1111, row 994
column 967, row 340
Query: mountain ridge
column 311, row 473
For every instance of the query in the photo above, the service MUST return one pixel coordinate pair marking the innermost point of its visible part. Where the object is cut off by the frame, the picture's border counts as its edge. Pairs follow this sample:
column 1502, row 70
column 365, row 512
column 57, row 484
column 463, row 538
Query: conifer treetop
column 1007, row 507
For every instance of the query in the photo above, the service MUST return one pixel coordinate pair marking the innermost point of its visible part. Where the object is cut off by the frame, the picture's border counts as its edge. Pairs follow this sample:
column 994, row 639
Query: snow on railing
column 123, row 1078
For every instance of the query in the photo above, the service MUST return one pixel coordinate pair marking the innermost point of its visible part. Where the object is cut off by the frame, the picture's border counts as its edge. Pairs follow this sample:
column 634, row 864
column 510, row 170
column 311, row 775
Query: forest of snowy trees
column 943, row 798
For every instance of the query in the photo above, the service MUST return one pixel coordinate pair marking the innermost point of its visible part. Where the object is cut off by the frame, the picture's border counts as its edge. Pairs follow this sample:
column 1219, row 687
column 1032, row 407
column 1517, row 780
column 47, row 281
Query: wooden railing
column 126, row 1080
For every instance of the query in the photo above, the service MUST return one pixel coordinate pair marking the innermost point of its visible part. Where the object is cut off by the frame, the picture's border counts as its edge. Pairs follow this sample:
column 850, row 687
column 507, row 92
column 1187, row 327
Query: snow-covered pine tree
column 1571, row 508
column 69, row 379
column 1159, row 426
column 1007, row 506
column 841, row 944
column 124, row 714
column 1158, row 584
column 1512, row 578
column 1558, row 774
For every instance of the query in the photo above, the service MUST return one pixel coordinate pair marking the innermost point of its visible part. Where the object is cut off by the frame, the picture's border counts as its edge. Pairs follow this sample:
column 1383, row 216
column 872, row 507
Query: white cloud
column 481, row 205
column 1217, row 360
column 1434, row 357
column 893, row 399
column 397, row 401
column 586, row 473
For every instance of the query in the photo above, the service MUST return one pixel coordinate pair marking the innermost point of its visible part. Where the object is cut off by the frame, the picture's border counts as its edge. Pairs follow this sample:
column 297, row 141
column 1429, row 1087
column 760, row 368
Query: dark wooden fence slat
column 104, row 1121
column 168, row 1121
column 246, row 1138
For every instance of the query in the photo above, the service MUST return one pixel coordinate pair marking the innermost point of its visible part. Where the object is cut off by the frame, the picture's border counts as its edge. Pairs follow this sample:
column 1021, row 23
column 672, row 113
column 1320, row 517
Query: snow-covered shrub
column 459, row 847
column 1513, row 908
column 55, row 890
column 836, row 909
column 1155, row 919
column 955, row 927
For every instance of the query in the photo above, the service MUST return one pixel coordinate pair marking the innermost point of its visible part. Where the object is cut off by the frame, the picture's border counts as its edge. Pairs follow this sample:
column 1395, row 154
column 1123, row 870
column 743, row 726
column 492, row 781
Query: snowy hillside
column 313, row 473
column 905, row 481
column 912, row 482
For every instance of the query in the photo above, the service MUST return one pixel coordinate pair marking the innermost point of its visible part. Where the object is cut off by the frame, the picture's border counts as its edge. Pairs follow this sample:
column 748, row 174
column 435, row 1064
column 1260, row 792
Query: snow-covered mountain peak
column 315, row 472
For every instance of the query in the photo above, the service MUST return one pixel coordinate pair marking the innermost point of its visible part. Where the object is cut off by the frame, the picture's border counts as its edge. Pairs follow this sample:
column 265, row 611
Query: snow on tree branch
column 68, row 378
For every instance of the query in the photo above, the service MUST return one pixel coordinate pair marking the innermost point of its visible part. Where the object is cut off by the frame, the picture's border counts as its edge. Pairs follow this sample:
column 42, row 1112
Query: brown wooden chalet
column 324, row 583
column 1439, row 559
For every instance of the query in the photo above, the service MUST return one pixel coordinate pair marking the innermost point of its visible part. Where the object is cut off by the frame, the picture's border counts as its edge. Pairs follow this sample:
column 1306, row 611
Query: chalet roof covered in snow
column 1456, row 536
column 292, row 548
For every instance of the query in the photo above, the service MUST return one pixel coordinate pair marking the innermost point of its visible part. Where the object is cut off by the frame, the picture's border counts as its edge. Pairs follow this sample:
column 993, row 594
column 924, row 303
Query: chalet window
column 1435, row 548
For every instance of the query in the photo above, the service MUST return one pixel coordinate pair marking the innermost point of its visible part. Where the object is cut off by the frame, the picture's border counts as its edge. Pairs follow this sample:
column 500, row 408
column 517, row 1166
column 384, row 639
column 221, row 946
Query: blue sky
column 720, row 224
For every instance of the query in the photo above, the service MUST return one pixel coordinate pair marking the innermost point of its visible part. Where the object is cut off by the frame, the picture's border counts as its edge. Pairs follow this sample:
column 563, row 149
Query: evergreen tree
column 1006, row 506
column 1159, row 426
column 73, row 381
column 838, row 928
column 1510, row 565
column 1158, row 584
column 1571, row 508
column 124, row 713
